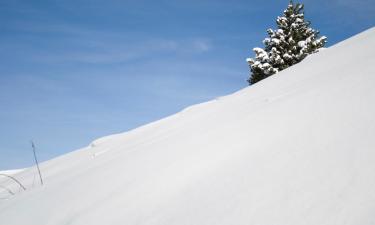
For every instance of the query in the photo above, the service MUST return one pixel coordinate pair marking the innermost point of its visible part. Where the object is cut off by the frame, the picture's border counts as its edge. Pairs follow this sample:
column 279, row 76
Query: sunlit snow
column 296, row 148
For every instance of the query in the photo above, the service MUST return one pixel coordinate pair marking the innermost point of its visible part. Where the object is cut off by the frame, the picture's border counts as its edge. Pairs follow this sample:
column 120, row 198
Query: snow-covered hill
column 296, row 148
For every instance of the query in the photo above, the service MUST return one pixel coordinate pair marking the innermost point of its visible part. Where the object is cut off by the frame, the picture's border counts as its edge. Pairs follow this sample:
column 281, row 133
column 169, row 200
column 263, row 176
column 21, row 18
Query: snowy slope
column 296, row 148
column 11, row 172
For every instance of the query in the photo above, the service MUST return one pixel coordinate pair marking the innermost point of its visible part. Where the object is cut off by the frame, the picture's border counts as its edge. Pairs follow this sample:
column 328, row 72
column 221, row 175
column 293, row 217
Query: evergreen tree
column 289, row 44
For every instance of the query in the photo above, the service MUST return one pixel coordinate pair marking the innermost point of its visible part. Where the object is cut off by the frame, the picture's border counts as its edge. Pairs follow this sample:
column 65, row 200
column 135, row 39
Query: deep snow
column 296, row 148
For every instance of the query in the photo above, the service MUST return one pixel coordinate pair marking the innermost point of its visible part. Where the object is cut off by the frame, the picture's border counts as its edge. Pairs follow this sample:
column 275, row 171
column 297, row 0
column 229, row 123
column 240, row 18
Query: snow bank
column 11, row 172
column 296, row 148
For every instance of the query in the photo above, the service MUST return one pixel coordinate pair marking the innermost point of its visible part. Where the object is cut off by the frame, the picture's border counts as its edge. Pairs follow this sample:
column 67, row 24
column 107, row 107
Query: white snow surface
column 296, row 148
column 11, row 172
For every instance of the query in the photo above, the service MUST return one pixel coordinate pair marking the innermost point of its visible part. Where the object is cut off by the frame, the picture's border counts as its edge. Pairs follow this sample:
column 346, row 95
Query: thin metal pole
column 36, row 162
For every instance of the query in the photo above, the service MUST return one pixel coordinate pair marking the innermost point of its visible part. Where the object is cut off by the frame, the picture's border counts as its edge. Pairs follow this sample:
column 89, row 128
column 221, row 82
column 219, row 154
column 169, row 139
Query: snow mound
column 296, row 148
column 11, row 172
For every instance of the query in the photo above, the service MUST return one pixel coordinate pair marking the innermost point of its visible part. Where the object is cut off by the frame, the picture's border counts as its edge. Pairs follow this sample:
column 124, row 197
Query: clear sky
column 72, row 71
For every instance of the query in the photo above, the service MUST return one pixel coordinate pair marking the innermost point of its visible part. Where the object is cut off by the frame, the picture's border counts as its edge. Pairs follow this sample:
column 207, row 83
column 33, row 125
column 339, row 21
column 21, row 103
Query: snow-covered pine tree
column 289, row 44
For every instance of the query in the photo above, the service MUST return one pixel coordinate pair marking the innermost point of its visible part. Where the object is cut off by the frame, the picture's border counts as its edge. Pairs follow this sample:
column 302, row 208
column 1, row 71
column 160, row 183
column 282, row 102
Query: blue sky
column 72, row 71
